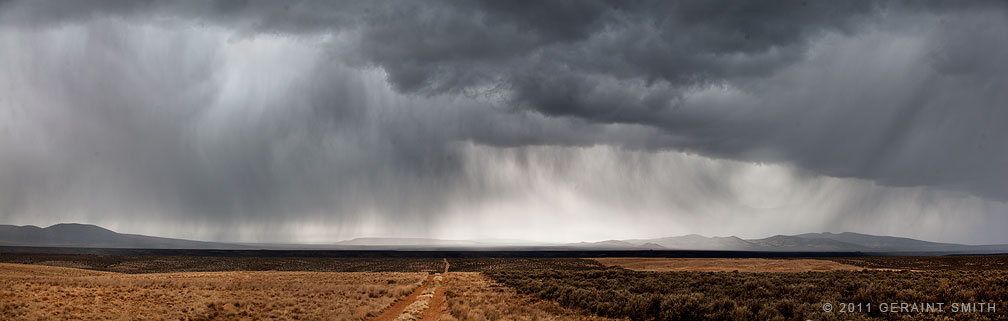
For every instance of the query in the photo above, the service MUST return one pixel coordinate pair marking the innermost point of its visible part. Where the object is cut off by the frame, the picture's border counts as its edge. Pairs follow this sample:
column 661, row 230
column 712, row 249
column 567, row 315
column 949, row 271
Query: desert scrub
column 934, row 263
column 757, row 296
column 472, row 296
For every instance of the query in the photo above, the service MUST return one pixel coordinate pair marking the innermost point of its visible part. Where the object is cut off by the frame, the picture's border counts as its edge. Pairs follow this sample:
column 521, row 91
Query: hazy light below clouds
column 177, row 120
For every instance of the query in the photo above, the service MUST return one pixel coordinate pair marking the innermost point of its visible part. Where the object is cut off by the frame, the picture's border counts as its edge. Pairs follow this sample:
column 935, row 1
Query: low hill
column 816, row 242
column 884, row 243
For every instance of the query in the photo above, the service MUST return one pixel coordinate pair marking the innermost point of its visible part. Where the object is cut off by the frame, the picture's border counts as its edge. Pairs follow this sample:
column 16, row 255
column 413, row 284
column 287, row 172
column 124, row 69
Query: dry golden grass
column 726, row 265
column 30, row 292
column 472, row 296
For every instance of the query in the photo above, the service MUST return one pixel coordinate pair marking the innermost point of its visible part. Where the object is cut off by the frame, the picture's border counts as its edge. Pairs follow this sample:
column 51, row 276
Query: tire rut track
column 437, row 303
column 425, row 303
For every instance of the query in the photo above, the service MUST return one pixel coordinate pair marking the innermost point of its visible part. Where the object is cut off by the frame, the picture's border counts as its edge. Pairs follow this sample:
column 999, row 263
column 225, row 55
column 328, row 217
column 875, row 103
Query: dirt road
column 425, row 303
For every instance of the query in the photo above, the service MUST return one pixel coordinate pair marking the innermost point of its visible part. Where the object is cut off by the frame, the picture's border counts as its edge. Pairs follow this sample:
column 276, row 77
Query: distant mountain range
column 90, row 236
column 811, row 242
column 84, row 235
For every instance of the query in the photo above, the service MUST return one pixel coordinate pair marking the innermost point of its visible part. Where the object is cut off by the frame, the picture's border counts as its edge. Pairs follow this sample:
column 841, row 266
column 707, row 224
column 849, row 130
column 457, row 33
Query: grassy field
column 471, row 296
column 31, row 292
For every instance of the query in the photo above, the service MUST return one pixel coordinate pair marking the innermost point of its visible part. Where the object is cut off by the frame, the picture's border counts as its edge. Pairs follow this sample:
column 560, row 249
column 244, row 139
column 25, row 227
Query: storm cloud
column 556, row 120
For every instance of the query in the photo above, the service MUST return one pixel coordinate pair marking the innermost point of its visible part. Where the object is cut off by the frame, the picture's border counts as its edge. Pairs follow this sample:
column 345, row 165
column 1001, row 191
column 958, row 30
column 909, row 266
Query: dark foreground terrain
column 762, row 296
column 492, row 286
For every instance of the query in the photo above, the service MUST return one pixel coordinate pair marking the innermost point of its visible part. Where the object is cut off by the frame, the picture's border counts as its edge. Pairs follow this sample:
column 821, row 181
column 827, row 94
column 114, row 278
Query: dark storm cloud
column 155, row 106
column 199, row 127
column 635, row 62
column 682, row 44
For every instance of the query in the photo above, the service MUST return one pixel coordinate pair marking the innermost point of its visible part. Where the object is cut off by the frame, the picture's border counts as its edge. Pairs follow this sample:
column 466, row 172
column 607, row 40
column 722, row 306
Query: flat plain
column 471, row 296
column 33, row 292
column 445, row 287
column 726, row 264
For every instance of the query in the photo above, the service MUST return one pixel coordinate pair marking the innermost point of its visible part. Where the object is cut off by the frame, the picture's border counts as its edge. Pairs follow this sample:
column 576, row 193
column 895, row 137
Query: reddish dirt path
column 435, row 305
column 397, row 308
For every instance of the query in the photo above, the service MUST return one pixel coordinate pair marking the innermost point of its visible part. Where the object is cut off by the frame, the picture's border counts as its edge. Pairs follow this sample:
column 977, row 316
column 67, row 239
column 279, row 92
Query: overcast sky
column 303, row 121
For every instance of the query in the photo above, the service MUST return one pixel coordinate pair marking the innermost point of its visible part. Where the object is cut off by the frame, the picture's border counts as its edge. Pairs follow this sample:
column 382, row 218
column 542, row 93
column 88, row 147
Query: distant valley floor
column 727, row 265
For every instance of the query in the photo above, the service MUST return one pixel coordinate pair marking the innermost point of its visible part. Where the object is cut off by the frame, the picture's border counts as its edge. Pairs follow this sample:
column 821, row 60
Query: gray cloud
column 645, row 63
column 207, row 127
column 268, row 116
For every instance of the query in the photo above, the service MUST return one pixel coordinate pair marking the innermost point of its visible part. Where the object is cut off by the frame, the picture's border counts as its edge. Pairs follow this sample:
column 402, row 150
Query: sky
column 555, row 121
